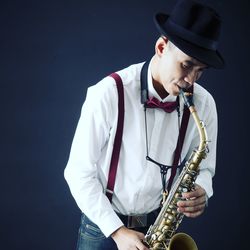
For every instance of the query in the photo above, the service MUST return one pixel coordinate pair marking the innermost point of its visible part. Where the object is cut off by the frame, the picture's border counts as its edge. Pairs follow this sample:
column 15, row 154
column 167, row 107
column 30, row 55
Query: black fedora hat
column 194, row 28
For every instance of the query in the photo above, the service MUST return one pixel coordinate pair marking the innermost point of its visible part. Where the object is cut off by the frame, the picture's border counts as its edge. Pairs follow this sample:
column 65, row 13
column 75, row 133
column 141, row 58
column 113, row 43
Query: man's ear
column 160, row 45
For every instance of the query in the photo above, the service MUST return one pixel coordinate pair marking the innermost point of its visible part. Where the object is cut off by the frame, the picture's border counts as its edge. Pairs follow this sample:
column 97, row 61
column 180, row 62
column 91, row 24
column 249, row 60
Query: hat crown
column 194, row 28
column 197, row 18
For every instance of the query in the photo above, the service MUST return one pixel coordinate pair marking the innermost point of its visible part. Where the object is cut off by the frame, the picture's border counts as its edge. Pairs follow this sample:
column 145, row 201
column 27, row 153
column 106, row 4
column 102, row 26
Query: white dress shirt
column 138, row 183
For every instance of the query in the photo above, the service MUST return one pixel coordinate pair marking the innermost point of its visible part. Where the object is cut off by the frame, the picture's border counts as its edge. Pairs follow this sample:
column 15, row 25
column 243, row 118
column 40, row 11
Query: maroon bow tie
column 166, row 106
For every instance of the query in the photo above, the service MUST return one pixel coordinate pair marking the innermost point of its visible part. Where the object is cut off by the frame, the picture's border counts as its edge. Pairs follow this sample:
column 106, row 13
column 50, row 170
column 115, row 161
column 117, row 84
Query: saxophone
column 161, row 235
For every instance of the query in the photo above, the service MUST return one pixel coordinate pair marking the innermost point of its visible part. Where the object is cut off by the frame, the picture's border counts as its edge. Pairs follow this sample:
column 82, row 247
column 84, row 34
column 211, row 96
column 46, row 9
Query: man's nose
column 191, row 77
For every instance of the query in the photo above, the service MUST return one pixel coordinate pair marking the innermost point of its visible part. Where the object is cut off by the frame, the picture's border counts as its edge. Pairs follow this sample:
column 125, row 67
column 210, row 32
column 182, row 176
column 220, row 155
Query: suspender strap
column 180, row 141
column 118, row 138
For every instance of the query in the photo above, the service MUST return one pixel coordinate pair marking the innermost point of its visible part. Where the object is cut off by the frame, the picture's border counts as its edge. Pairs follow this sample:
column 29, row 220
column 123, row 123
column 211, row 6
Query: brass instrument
column 161, row 235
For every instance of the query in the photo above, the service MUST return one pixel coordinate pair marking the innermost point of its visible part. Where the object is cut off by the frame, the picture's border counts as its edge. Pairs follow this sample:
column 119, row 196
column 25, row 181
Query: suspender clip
column 109, row 191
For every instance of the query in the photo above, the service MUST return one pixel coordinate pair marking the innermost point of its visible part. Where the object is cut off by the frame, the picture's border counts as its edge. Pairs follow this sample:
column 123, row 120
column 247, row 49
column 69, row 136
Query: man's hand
column 127, row 239
column 195, row 203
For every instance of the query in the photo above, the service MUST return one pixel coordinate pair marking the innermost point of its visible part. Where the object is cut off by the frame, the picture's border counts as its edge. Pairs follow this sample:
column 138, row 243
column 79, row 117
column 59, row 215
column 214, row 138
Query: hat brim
column 211, row 58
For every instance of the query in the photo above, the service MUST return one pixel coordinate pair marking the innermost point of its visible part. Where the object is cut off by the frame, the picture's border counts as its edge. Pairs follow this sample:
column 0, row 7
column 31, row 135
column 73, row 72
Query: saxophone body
column 161, row 235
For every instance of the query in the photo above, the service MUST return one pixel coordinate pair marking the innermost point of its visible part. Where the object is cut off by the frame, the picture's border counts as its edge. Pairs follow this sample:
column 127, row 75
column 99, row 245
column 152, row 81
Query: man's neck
column 156, row 83
column 160, row 89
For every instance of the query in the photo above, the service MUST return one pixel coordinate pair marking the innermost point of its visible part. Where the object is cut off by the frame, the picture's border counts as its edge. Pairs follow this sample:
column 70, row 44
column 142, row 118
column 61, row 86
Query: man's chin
column 174, row 92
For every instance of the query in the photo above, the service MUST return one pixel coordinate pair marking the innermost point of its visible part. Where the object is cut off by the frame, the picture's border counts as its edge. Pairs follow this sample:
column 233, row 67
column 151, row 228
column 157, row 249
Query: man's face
column 178, row 70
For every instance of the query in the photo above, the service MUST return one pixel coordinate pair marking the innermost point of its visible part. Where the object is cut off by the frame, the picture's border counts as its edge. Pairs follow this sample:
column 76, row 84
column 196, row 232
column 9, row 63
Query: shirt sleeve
column 92, row 133
column 207, row 165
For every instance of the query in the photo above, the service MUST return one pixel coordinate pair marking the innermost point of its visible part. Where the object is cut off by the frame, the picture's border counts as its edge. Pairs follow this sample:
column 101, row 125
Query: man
column 187, row 46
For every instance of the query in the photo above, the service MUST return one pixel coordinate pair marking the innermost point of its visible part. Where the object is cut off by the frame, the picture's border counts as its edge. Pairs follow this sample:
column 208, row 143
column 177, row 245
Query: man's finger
column 141, row 246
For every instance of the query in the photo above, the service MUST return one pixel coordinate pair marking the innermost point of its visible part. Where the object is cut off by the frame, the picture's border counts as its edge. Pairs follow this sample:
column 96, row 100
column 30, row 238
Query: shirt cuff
column 204, row 179
column 110, row 224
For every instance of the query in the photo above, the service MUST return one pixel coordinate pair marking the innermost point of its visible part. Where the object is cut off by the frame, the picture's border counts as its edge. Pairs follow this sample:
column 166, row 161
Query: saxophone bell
column 182, row 241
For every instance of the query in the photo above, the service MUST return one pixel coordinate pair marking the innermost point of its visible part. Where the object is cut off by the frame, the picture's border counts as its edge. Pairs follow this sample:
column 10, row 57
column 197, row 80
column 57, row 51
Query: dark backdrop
column 50, row 52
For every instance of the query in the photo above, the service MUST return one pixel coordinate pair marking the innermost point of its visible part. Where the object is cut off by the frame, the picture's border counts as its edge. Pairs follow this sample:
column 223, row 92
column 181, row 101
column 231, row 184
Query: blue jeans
column 90, row 237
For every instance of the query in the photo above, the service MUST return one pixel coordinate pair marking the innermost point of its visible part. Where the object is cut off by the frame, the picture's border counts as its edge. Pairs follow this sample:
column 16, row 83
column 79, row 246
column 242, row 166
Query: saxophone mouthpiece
column 187, row 97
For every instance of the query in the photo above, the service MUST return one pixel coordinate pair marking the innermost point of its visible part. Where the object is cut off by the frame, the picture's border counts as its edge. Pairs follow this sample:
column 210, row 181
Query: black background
column 50, row 52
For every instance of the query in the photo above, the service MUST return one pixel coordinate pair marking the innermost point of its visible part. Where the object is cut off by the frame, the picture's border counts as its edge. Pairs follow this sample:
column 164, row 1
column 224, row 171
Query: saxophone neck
column 188, row 101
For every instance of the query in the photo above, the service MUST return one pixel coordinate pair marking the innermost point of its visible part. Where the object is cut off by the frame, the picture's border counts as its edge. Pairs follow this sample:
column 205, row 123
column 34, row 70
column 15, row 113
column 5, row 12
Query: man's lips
column 183, row 86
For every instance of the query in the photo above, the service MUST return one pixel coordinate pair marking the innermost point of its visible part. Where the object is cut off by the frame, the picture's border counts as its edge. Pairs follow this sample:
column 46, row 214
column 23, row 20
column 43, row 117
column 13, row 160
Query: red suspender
column 118, row 138
column 180, row 141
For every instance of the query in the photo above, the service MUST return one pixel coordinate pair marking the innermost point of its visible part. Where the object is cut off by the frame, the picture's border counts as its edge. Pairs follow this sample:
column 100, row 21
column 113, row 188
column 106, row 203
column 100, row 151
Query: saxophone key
column 162, row 224
column 174, row 212
column 173, row 206
column 156, row 235
column 169, row 210
column 166, row 228
column 170, row 220
column 156, row 246
column 177, row 195
column 162, row 237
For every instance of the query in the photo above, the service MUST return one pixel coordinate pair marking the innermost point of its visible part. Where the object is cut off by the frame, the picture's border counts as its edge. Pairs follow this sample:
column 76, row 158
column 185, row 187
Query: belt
column 140, row 220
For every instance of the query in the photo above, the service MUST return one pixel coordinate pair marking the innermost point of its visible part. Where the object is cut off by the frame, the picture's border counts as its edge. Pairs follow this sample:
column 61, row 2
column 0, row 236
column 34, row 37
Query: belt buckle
column 137, row 221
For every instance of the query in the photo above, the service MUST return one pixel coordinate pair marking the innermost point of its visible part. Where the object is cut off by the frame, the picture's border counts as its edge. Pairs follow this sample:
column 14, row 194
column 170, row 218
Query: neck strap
column 144, row 83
